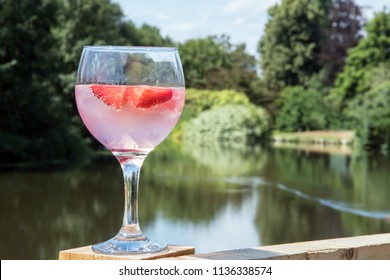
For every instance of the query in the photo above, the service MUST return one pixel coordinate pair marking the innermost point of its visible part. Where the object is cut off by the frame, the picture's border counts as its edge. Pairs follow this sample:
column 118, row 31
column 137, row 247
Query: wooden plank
column 357, row 248
column 86, row 253
column 369, row 247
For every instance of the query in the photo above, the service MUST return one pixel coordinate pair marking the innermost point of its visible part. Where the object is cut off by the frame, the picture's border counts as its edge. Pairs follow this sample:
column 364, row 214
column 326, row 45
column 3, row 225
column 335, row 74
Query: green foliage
column 359, row 99
column 94, row 22
column 302, row 109
column 341, row 32
column 370, row 112
column 221, row 115
column 34, row 125
column 148, row 35
column 369, row 53
column 41, row 43
column 198, row 100
column 303, row 38
column 228, row 124
column 360, row 93
column 378, row 105
column 214, row 63
column 290, row 42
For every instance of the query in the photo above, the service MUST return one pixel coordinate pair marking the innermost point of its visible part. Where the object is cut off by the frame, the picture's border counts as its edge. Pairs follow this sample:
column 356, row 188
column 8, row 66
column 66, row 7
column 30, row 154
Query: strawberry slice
column 112, row 95
column 140, row 96
column 151, row 96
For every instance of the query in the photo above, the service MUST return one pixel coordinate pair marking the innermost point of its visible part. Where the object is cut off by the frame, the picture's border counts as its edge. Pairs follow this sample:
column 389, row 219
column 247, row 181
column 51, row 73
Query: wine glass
column 130, row 99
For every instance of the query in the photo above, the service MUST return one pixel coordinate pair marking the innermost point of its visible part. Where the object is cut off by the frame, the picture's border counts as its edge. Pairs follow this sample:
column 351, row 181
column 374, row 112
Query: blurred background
column 285, row 135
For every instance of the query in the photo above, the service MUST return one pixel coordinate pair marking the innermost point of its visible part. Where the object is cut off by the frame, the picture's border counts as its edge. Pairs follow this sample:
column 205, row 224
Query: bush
column 198, row 101
column 371, row 115
column 228, row 124
column 301, row 109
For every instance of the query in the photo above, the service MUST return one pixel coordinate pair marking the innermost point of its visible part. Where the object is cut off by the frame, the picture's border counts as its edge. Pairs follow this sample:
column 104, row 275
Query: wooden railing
column 368, row 247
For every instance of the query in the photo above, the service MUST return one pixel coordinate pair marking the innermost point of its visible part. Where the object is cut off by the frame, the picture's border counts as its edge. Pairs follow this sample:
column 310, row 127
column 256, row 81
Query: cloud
column 233, row 6
column 238, row 21
column 183, row 26
column 245, row 20
column 247, row 6
column 182, row 31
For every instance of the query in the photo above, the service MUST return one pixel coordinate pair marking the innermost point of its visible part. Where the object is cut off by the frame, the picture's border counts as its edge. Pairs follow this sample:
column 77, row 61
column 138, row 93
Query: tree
column 41, row 43
column 361, row 92
column 150, row 36
column 302, row 108
column 342, row 32
column 33, row 122
column 304, row 37
column 378, row 104
column 369, row 113
column 371, row 52
column 289, row 46
column 94, row 22
column 215, row 63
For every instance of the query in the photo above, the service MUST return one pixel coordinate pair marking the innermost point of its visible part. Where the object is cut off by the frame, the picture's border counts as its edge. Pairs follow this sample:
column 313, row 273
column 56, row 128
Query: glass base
column 117, row 246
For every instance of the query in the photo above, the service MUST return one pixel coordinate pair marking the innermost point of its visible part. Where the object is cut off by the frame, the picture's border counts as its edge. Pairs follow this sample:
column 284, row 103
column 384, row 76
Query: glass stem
column 131, row 166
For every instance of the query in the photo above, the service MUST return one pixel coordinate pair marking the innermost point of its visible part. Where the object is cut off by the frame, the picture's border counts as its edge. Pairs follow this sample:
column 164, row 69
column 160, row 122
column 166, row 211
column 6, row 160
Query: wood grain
column 86, row 253
column 369, row 247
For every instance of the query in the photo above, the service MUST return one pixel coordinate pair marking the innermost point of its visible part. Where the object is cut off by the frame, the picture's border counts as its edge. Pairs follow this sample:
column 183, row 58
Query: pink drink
column 128, row 118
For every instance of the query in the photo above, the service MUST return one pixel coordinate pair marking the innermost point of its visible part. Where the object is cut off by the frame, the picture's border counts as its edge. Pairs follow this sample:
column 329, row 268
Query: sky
column 242, row 20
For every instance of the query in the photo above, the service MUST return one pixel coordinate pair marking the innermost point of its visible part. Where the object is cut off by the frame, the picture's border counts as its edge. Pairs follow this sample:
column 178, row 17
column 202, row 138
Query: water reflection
column 43, row 212
column 211, row 197
column 321, row 196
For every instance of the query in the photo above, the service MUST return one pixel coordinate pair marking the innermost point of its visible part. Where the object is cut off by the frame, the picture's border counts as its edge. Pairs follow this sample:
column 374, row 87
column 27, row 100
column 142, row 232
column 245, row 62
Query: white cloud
column 182, row 30
column 247, row 6
column 233, row 6
column 238, row 21
column 182, row 27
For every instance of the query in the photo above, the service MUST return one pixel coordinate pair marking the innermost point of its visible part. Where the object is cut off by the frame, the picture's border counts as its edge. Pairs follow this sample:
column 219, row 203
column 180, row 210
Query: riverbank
column 343, row 138
column 334, row 142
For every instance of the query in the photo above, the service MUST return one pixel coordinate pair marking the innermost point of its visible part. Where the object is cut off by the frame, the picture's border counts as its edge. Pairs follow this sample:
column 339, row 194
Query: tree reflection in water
column 211, row 197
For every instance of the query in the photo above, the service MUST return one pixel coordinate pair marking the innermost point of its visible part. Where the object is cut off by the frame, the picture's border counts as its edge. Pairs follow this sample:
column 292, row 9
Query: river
column 209, row 197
